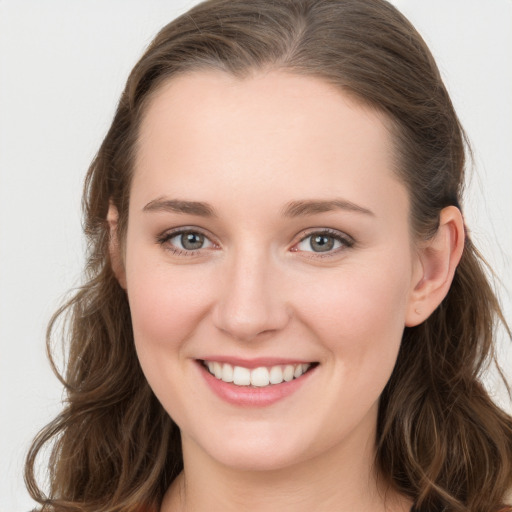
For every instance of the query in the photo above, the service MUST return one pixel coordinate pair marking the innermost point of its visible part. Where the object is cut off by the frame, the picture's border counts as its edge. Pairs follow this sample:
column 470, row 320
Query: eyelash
column 169, row 235
column 345, row 242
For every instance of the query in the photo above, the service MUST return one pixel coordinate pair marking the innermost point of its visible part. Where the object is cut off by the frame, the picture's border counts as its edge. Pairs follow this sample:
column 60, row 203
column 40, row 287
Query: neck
column 344, row 480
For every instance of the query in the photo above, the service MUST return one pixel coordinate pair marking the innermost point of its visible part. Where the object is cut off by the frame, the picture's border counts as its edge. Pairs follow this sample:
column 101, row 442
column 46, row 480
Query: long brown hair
column 441, row 440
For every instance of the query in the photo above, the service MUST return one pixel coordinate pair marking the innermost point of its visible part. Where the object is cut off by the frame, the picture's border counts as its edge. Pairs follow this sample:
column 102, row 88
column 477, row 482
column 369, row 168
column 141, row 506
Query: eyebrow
column 292, row 209
column 312, row 207
column 180, row 206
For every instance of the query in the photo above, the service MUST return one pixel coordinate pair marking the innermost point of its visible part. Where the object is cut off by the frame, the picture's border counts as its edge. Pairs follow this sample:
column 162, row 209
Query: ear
column 116, row 257
column 437, row 260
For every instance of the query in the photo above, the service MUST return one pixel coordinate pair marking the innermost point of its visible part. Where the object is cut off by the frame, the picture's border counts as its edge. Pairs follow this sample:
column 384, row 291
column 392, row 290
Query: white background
column 63, row 64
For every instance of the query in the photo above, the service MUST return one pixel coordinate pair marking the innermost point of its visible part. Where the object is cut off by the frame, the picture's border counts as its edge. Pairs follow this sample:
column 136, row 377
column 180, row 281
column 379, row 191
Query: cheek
column 166, row 308
column 360, row 312
column 166, row 304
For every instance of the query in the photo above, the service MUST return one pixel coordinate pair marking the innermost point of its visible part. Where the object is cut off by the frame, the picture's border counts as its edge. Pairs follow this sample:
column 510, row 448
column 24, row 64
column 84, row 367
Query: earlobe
column 116, row 259
column 438, row 259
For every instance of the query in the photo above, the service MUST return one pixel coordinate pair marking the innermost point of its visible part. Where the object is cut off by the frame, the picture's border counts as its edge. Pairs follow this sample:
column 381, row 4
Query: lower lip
column 250, row 396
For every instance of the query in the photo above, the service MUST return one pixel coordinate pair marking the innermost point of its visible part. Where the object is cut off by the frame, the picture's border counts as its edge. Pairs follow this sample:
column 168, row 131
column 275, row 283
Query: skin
column 248, row 148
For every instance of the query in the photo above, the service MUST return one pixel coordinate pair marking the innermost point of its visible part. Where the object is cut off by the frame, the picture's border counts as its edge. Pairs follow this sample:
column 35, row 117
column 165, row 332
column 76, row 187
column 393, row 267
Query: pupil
column 322, row 243
column 192, row 241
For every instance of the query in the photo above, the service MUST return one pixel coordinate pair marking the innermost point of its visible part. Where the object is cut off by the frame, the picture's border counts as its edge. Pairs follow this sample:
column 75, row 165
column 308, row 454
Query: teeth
column 241, row 376
column 217, row 370
column 227, row 373
column 276, row 375
column 258, row 377
column 288, row 372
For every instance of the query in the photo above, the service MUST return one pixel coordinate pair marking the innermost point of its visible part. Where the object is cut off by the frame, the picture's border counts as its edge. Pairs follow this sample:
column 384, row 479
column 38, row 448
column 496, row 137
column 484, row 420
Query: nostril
column 250, row 305
column 250, row 323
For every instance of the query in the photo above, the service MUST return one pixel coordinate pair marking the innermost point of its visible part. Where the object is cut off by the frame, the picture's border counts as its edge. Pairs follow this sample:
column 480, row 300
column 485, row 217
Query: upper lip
column 254, row 362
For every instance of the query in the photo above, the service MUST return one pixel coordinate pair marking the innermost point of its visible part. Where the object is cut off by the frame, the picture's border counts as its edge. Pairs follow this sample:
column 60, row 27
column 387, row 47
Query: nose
column 251, row 301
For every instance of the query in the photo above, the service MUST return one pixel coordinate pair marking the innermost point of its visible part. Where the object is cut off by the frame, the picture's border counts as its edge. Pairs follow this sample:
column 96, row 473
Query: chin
column 255, row 450
column 259, row 461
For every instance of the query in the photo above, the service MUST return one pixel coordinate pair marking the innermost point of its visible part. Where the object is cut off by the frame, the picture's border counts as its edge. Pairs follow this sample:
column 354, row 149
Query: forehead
column 274, row 99
column 274, row 129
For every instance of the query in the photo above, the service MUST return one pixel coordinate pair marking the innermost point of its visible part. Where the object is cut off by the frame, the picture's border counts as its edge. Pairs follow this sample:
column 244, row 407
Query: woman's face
column 268, row 238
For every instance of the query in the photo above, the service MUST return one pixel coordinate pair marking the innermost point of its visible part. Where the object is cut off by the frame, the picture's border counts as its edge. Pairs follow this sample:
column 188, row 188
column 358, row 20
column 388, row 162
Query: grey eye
column 187, row 241
column 191, row 241
column 321, row 243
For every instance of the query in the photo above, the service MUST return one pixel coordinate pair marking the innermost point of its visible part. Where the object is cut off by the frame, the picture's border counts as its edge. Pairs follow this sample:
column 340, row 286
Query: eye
column 186, row 241
column 325, row 241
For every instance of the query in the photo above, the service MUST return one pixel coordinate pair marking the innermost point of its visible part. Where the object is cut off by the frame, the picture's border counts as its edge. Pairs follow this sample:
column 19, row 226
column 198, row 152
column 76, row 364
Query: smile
column 258, row 377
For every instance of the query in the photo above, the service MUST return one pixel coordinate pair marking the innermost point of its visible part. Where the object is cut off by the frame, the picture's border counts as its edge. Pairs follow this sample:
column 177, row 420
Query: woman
column 279, row 264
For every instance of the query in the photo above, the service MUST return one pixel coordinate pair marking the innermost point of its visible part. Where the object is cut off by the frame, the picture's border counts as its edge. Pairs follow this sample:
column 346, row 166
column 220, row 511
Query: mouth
column 260, row 377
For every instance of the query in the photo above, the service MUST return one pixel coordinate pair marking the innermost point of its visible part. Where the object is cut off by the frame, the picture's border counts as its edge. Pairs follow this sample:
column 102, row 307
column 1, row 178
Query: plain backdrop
column 63, row 64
